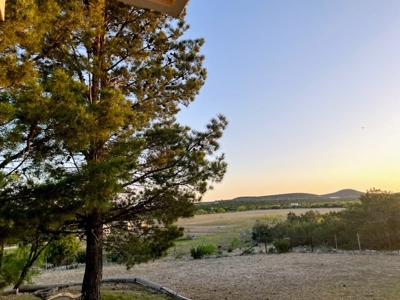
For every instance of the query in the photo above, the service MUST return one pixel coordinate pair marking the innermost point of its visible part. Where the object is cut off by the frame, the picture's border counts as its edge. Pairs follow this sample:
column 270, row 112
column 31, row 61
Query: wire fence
column 365, row 241
column 303, row 243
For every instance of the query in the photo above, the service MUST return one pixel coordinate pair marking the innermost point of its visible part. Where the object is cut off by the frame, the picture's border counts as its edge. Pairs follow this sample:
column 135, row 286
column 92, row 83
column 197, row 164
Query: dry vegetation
column 286, row 276
column 347, row 275
column 243, row 217
column 109, row 291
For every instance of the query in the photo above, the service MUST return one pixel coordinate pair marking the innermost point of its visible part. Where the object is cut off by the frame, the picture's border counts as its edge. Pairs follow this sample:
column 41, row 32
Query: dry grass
column 221, row 229
column 261, row 276
column 288, row 276
column 109, row 291
column 243, row 217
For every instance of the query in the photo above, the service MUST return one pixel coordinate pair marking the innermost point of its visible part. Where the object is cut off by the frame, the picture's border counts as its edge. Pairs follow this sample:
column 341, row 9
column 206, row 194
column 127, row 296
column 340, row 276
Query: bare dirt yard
column 343, row 275
column 261, row 276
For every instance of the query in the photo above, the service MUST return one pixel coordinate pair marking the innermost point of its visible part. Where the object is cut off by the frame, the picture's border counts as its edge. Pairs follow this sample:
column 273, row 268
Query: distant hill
column 342, row 194
column 290, row 196
column 346, row 193
column 340, row 198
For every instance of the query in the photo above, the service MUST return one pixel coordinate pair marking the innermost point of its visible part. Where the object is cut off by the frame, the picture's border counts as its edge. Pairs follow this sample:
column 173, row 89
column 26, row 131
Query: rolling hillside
column 346, row 193
column 342, row 194
column 304, row 200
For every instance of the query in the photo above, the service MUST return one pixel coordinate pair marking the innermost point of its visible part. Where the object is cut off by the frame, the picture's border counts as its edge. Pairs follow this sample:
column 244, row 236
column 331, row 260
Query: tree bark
column 94, row 257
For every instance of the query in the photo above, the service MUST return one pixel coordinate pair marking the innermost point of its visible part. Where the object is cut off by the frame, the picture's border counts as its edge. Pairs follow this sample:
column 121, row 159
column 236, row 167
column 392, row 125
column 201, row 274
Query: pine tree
column 89, row 140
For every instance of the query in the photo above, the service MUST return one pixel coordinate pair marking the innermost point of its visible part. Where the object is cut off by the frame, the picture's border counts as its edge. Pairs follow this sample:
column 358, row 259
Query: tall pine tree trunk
column 94, row 257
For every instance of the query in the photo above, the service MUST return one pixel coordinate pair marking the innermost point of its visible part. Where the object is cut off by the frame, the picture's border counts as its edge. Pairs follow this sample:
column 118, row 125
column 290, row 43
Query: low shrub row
column 203, row 250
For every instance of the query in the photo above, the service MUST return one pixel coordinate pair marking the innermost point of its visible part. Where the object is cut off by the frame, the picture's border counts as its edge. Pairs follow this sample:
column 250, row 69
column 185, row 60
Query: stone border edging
column 140, row 281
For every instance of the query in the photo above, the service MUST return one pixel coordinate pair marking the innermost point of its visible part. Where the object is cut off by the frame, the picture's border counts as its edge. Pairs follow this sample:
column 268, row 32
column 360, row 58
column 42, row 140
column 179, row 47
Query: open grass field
column 221, row 229
column 244, row 217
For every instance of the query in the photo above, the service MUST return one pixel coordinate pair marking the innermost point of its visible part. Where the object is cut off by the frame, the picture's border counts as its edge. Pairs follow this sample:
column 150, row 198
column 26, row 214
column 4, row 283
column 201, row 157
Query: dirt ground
column 261, row 276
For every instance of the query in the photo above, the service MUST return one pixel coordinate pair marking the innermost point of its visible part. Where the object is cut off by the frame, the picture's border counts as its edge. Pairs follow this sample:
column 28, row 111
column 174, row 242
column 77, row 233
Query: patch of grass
column 19, row 297
column 9, row 250
column 221, row 239
column 202, row 251
column 138, row 293
column 108, row 292
column 179, row 254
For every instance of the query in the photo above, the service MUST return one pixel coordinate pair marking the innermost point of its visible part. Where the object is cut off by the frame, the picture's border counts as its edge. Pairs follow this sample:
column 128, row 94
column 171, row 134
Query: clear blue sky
column 311, row 90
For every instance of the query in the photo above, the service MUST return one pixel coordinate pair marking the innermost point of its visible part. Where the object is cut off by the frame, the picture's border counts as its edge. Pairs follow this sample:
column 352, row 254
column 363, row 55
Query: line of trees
column 233, row 206
column 89, row 142
column 375, row 220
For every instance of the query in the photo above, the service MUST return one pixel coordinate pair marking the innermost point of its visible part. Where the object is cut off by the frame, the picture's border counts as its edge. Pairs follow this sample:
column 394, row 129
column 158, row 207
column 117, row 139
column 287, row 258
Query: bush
column 234, row 244
column 62, row 250
column 12, row 265
column 80, row 257
column 282, row 246
column 114, row 256
column 201, row 251
column 200, row 212
column 271, row 249
column 241, row 208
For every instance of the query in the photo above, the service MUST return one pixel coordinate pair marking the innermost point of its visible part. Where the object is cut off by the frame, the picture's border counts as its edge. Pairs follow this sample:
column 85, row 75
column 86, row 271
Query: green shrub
column 234, row 244
column 114, row 256
column 62, row 250
column 271, row 249
column 282, row 246
column 80, row 257
column 241, row 208
column 203, row 250
column 248, row 244
column 12, row 265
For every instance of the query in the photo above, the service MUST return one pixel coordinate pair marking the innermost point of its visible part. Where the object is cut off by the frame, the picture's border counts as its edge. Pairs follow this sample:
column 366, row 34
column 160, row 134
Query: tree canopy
column 372, row 223
column 89, row 141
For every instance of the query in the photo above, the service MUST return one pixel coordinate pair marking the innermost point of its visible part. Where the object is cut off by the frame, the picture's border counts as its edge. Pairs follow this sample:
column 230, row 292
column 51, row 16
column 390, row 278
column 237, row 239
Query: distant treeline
column 253, row 204
column 373, row 223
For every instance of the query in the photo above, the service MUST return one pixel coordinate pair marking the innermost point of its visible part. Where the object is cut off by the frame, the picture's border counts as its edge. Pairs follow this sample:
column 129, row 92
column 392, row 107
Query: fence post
column 312, row 245
column 291, row 244
column 335, row 241
column 358, row 239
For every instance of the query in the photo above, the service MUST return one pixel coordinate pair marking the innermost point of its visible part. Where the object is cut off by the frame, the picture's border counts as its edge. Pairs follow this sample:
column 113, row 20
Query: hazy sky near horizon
column 311, row 90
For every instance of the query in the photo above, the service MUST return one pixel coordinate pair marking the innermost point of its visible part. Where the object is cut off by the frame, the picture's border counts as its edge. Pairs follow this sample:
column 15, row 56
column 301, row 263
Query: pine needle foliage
column 89, row 142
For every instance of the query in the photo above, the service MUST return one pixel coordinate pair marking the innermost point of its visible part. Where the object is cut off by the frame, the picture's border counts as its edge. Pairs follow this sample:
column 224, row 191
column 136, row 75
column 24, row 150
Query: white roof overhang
column 169, row 7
